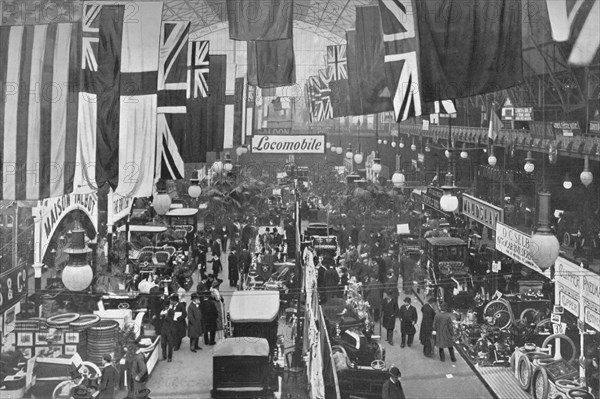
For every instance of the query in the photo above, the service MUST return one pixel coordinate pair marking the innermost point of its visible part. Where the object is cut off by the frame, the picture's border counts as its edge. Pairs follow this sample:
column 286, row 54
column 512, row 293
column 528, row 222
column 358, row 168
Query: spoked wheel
column 539, row 385
column 502, row 319
column 528, row 316
column 499, row 309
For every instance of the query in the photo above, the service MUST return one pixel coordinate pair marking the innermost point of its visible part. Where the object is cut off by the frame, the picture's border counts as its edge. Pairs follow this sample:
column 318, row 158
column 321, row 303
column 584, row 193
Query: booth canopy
column 138, row 228
column 254, row 306
column 242, row 346
column 182, row 212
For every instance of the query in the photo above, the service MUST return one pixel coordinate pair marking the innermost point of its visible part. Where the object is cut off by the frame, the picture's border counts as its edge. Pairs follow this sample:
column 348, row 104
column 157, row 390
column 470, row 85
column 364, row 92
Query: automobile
column 360, row 348
column 242, row 368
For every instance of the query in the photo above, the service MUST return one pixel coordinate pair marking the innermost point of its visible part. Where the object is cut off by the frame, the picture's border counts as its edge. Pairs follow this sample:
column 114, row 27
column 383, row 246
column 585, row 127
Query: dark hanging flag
column 198, row 64
column 238, row 111
column 353, row 74
column 260, row 19
column 464, row 52
column 271, row 63
column 340, row 98
column 337, row 62
column 374, row 93
column 206, row 115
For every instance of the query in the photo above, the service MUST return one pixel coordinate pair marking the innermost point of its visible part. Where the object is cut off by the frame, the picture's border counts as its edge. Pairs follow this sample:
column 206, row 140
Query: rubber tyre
column 524, row 371
column 565, row 338
column 580, row 393
column 62, row 320
column 524, row 312
column 540, row 387
column 567, row 239
column 85, row 321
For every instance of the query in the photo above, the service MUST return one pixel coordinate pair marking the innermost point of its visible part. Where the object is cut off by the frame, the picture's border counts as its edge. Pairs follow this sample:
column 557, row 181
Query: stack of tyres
column 79, row 327
column 101, row 339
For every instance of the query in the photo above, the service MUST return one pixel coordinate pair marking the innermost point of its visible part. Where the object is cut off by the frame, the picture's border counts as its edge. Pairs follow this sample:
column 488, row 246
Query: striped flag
column 337, row 62
column 576, row 21
column 118, row 100
column 39, row 82
column 172, row 93
column 495, row 126
column 250, row 108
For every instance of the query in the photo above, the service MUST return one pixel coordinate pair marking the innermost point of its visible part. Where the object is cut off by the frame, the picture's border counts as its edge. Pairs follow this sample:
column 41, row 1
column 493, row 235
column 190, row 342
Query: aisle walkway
column 190, row 374
column 426, row 378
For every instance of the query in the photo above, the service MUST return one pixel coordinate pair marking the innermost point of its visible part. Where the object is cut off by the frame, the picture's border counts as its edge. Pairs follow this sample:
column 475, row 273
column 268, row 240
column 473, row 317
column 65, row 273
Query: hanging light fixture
column 339, row 150
column 449, row 201
column 413, row 146
column 217, row 167
column 194, row 190
column 543, row 245
column 239, row 151
column 586, row 176
column 464, row 154
column 567, row 183
column 398, row 178
column 332, row 148
column 447, row 154
column 245, row 148
column 427, row 147
column 328, row 145
column 349, row 153
column 393, row 143
column 401, row 143
column 162, row 200
column 385, row 142
column 379, row 141
column 376, row 168
column 77, row 274
column 227, row 166
column 492, row 160
column 529, row 165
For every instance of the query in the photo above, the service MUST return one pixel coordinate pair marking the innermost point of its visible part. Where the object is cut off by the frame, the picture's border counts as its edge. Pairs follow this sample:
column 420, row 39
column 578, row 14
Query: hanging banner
column 118, row 207
column 288, row 144
column 481, row 211
column 515, row 244
column 51, row 212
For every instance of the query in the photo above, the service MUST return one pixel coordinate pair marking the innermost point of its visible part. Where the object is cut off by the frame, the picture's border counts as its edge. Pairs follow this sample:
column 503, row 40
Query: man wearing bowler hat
column 168, row 333
column 392, row 388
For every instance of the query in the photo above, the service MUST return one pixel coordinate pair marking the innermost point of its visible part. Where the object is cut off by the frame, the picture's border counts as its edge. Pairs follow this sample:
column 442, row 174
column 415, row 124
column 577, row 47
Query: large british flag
column 172, row 93
column 315, row 98
column 337, row 63
column 573, row 20
column 401, row 58
column 198, row 69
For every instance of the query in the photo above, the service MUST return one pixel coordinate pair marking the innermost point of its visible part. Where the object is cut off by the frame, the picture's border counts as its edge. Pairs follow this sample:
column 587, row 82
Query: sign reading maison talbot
column 481, row 211
column 289, row 144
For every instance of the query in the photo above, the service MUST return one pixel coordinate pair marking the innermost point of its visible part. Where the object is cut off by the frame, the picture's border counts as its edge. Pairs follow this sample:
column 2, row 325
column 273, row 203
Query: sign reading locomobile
column 289, row 144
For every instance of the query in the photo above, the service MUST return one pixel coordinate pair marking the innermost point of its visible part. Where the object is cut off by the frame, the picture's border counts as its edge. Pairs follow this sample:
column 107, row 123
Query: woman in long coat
column 443, row 329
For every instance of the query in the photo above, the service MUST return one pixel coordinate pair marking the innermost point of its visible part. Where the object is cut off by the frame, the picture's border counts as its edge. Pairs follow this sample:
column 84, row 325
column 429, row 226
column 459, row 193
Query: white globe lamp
column 398, row 179
column 586, row 176
column 543, row 245
column 358, row 158
column 77, row 274
column 339, row 150
column 492, row 160
column 194, row 190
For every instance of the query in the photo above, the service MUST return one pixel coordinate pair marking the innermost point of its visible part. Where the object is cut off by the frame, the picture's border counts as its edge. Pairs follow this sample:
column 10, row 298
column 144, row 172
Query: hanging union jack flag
column 337, row 62
column 198, row 69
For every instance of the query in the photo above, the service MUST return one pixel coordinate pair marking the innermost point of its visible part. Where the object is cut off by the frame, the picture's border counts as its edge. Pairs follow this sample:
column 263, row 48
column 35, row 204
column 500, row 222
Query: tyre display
column 524, row 369
column 564, row 339
column 540, row 386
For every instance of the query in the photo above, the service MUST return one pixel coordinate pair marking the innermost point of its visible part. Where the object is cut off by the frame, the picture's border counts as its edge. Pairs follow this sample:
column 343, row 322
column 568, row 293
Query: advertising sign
column 595, row 127
column 431, row 198
column 13, row 287
column 568, row 302
column 288, row 144
column 567, row 129
column 118, row 207
column 481, row 211
column 524, row 114
column 567, row 275
column 515, row 244
column 53, row 210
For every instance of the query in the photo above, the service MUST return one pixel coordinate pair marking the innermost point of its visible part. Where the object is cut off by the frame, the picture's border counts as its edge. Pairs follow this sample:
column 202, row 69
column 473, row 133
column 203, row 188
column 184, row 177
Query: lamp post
column 78, row 274
column 449, row 201
column 162, row 200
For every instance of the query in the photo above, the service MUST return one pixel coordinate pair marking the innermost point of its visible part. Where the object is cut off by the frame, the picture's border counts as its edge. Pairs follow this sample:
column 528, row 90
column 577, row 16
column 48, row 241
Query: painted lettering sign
column 568, row 302
column 515, row 244
column 567, row 274
column 481, row 211
column 592, row 318
column 431, row 198
column 53, row 210
column 119, row 207
column 288, row 144
column 13, row 287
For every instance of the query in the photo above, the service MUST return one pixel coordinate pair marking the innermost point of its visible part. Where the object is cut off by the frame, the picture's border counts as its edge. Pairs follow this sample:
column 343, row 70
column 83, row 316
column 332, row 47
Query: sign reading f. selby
column 289, row 144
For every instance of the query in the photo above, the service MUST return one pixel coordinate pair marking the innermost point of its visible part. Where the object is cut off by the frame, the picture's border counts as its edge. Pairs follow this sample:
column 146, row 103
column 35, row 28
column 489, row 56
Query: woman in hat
column 392, row 388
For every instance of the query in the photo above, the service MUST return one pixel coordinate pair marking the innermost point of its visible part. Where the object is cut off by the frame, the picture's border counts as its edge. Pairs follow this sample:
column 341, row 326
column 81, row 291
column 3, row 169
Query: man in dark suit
column 425, row 334
column 392, row 388
column 109, row 380
column 195, row 322
column 168, row 333
column 408, row 320
column 332, row 280
column 208, row 307
column 389, row 310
